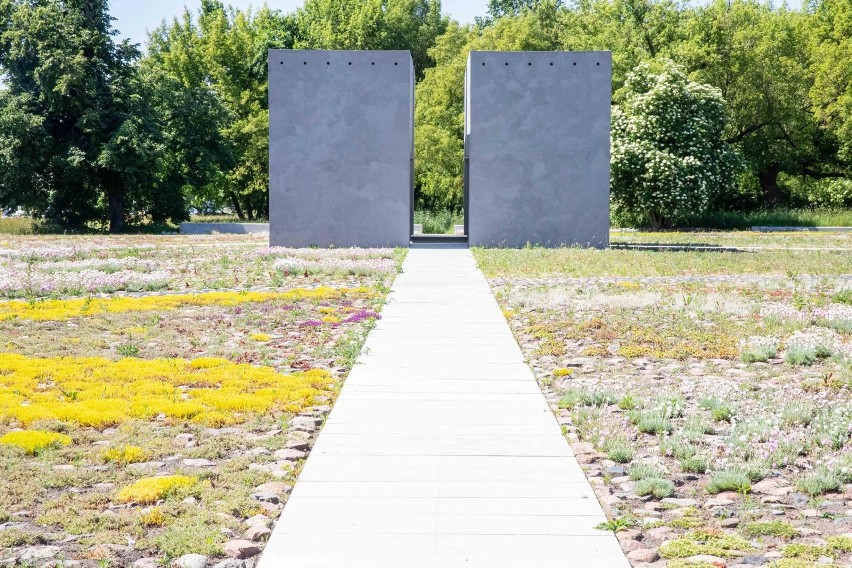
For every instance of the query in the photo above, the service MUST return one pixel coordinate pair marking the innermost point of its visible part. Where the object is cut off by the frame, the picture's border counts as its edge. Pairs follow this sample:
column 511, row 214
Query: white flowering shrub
column 758, row 348
column 669, row 155
column 805, row 347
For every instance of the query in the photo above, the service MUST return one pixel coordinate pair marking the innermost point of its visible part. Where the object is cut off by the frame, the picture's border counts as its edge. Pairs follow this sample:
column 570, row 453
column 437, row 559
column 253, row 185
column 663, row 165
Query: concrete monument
column 537, row 130
column 341, row 145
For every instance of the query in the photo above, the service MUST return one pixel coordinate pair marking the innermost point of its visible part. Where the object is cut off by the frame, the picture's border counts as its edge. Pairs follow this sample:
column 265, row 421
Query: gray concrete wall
column 341, row 142
column 224, row 228
column 537, row 127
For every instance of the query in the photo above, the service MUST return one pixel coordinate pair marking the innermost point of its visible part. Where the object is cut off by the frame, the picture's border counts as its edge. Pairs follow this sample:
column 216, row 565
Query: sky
column 134, row 18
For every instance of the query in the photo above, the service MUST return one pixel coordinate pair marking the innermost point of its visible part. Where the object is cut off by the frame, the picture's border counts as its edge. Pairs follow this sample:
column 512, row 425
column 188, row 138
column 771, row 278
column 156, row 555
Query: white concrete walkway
column 441, row 450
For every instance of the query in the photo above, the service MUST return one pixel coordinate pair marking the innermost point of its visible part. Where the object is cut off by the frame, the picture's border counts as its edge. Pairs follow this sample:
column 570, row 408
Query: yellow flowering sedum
column 151, row 489
column 35, row 441
column 55, row 310
column 153, row 518
column 261, row 337
column 125, row 455
column 97, row 392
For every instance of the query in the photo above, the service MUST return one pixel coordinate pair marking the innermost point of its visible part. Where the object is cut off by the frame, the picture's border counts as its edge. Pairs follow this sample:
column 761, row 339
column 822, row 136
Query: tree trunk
column 236, row 205
column 768, row 178
column 658, row 221
column 249, row 209
column 116, row 210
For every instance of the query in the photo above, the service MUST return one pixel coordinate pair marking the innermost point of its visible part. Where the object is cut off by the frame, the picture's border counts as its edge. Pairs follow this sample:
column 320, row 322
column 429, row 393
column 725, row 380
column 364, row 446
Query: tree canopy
column 94, row 131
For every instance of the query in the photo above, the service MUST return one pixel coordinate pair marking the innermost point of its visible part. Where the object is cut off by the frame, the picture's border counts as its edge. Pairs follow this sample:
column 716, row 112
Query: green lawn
column 577, row 262
column 797, row 239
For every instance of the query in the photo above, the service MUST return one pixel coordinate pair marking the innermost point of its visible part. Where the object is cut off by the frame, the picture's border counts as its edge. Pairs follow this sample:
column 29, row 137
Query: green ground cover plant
column 738, row 447
column 166, row 411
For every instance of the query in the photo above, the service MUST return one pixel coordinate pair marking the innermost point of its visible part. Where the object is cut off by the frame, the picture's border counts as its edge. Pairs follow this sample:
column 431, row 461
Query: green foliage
column 839, row 543
column 784, row 217
column 695, row 464
column 652, row 422
column 655, row 486
column 629, row 402
column 210, row 72
column 619, row 450
column 769, row 528
column 821, row 481
column 830, row 34
column 372, row 24
column 720, row 410
column 586, row 397
column 843, row 297
column 734, row 479
column 79, row 139
column 729, row 46
column 804, row 551
column 438, row 222
column 669, row 156
column 640, row 471
column 757, row 354
column 89, row 132
column 615, row 525
column 703, row 542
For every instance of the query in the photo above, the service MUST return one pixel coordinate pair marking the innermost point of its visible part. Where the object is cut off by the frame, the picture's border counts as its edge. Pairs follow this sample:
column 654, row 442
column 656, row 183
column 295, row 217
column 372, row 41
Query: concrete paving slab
column 428, row 444
column 443, row 551
column 501, row 490
column 465, row 506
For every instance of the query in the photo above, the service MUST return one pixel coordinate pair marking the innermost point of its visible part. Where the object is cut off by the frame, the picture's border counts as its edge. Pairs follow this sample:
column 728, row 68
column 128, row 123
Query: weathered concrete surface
column 224, row 228
column 441, row 451
column 340, row 147
column 537, row 128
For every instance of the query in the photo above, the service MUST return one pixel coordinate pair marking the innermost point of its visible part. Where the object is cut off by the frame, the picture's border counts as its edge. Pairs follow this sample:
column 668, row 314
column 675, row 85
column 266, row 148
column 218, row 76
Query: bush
column 439, row 222
column 720, row 410
column 819, row 482
column 655, row 486
column 585, row 397
column 639, row 471
column 729, row 480
column 694, row 464
column 619, row 450
column 669, row 155
column 653, row 422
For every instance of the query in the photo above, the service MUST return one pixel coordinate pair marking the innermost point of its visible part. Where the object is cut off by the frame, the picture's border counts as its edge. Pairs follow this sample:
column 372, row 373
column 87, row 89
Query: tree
column 372, row 24
column 669, row 155
column 79, row 145
column 500, row 8
column 634, row 30
column 757, row 57
column 830, row 30
column 212, row 91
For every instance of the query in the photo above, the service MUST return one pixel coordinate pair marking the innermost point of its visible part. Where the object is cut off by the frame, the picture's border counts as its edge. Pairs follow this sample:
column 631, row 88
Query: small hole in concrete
column 395, row 63
column 597, row 63
column 530, row 64
column 483, row 64
column 575, row 63
column 507, row 63
column 551, row 63
column 350, row 63
column 328, row 62
column 305, row 63
column 373, row 63
column 280, row 63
